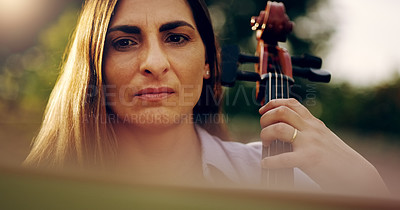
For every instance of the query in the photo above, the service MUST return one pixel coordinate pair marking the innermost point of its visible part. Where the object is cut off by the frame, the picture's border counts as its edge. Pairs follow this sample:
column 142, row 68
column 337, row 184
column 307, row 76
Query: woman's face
column 154, row 62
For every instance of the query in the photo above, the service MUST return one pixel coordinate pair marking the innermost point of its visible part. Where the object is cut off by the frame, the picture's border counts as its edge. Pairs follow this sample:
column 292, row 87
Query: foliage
column 372, row 109
column 26, row 79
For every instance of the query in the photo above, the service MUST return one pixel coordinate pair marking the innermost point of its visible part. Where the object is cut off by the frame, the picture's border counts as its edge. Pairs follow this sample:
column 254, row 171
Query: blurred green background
column 366, row 117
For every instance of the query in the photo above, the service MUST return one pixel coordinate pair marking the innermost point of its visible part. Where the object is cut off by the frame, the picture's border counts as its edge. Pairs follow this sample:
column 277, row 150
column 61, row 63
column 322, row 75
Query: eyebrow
column 165, row 27
column 126, row 29
column 175, row 24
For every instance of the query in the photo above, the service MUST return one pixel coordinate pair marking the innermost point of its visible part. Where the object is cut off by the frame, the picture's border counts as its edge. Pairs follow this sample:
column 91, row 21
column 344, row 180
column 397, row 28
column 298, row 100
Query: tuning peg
column 307, row 60
column 248, row 76
column 248, row 59
column 306, row 66
column 230, row 58
column 314, row 75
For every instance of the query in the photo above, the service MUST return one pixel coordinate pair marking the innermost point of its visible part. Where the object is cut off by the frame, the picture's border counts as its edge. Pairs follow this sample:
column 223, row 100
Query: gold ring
column 294, row 136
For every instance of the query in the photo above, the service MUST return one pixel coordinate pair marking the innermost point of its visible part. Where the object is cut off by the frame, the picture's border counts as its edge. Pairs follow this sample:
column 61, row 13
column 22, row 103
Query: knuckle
column 270, row 104
column 316, row 123
column 319, row 122
column 264, row 134
column 281, row 111
column 265, row 137
column 279, row 129
column 274, row 102
column 278, row 110
column 293, row 101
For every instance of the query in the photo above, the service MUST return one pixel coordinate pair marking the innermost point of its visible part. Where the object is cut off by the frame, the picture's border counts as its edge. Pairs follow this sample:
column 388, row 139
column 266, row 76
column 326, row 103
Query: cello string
column 269, row 147
column 282, row 96
column 288, row 96
column 280, row 87
column 275, row 89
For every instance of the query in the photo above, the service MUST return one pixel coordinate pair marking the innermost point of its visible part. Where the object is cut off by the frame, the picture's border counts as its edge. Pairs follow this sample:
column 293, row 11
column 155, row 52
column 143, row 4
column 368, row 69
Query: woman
column 140, row 92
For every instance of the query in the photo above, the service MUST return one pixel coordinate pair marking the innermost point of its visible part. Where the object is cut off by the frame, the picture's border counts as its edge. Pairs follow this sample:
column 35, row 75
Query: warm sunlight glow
column 19, row 19
column 14, row 9
column 365, row 48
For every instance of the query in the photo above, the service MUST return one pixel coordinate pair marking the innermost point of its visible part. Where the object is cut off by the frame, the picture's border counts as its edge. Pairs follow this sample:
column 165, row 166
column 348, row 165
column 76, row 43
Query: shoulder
column 233, row 150
column 237, row 161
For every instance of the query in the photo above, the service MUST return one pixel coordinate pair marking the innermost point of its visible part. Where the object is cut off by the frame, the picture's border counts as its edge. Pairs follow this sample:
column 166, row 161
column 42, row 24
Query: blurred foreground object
column 26, row 189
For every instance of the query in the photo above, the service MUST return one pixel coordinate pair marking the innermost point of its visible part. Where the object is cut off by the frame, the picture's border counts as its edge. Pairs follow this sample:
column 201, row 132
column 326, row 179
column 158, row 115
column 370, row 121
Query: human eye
column 123, row 44
column 177, row 39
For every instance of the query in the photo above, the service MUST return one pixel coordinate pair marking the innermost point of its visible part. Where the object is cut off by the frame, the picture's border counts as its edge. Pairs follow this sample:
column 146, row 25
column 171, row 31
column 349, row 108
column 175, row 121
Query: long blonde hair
column 75, row 128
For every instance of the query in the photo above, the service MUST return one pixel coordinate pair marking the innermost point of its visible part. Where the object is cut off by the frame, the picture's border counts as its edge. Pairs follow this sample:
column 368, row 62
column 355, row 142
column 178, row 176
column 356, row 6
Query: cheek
column 117, row 69
column 192, row 84
column 117, row 76
column 193, row 72
column 109, row 71
column 192, row 64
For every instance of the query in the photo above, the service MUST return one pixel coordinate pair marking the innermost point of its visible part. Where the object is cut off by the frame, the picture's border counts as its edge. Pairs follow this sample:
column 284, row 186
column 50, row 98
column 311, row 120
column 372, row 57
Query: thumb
column 284, row 160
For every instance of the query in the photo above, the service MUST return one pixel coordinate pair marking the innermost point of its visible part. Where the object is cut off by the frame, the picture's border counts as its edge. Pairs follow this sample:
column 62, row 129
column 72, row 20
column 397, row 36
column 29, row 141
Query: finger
column 282, row 114
column 284, row 160
column 290, row 103
column 281, row 131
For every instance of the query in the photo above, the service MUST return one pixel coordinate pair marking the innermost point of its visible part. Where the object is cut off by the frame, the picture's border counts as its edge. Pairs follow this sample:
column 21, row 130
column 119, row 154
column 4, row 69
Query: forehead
column 147, row 12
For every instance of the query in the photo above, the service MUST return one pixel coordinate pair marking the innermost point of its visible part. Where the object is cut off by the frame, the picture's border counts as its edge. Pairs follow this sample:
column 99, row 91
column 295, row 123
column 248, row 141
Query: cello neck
column 275, row 70
column 276, row 85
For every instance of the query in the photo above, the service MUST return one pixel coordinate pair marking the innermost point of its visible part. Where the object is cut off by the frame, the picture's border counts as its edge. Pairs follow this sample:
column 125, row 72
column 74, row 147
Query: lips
column 154, row 94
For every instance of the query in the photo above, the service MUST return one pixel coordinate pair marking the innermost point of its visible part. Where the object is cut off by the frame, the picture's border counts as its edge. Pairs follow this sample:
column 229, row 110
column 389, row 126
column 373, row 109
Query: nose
column 155, row 60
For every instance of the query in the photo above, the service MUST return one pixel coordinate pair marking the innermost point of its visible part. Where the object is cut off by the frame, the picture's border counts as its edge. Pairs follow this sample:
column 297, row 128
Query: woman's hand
column 316, row 150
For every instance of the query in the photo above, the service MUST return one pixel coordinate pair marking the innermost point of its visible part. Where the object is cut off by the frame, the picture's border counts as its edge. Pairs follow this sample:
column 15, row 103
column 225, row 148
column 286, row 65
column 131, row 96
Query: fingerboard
column 277, row 86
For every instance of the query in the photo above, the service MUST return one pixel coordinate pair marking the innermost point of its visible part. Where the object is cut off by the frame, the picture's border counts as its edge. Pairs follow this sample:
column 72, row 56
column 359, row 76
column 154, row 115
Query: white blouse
column 239, row 163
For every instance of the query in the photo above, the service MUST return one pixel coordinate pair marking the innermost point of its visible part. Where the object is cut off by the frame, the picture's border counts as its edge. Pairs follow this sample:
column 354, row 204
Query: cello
column 274, row 75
